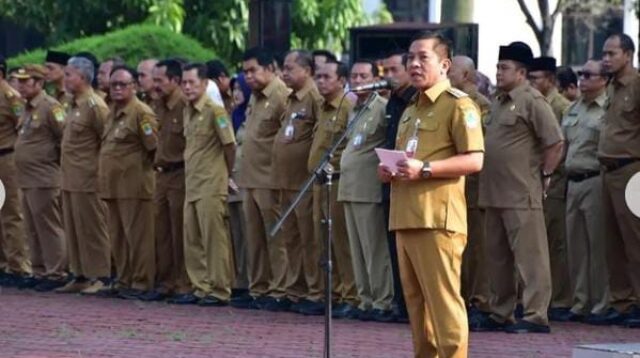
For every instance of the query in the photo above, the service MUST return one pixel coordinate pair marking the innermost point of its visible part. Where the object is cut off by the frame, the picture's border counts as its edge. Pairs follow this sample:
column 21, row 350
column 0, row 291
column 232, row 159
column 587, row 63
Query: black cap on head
column 543, row 63
column 58, row 57
column 516, row 51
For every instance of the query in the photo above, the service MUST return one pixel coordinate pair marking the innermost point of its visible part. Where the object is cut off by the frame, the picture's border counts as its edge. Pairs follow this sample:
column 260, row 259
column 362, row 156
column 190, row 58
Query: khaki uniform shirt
column 87, row 116
column 264, row 115
column 518, row 129
column 359, row 165
column 290, row 157
column 620, row 135
column 11, row 108
column 208, row 129
column 558, row 186
column 450, row 124
column 38, row 145
column 330, row 126
column 171, row 141
column 235, row 197
column 126, row 156
column 581, row 127
column 472, row 181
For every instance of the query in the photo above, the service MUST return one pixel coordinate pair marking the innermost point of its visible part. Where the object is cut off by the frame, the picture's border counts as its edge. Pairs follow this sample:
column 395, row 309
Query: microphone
column 379, row 85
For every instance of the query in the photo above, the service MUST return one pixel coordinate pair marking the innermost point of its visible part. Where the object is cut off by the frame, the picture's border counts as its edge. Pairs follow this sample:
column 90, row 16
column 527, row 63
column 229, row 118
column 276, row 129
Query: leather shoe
column 313, row 309
column 150, row 296
column 130, row 293
column 47, row 285
column 383, row 316
column 212, row 301
column 345, row 310
column 365, row 315
column 184, row 299
column 610, row 317
column 27, row 282
column 245, row 301
column 559, row 314
column 631, row 323
column 485, row 324
column 523, row 326
column 276, row 304
column 297, row 307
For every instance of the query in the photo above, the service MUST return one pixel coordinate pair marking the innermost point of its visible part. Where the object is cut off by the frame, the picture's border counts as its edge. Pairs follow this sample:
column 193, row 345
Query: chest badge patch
column 147, row 129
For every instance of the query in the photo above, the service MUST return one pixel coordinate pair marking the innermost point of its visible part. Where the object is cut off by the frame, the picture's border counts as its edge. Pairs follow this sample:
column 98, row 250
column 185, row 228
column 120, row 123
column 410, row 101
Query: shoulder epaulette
column 457, row 93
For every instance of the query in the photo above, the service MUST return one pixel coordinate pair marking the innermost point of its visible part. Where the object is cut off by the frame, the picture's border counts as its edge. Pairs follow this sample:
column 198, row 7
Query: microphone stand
column 323, row 174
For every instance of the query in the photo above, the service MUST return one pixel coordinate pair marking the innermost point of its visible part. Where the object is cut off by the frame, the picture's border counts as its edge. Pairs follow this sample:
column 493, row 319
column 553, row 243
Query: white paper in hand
column 390, row 158
column 632, row 194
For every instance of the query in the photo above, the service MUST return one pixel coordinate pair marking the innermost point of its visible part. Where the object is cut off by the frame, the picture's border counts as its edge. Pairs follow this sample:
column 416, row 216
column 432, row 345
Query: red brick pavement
column 36, row 325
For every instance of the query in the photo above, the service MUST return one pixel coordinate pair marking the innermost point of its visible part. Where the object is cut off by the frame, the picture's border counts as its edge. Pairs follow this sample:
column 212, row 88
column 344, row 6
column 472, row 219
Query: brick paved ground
column 35, row 325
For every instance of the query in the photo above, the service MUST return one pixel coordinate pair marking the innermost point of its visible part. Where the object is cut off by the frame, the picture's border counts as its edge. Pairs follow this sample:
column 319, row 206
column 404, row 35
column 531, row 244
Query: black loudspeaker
column 270, row 24
column 375, row 42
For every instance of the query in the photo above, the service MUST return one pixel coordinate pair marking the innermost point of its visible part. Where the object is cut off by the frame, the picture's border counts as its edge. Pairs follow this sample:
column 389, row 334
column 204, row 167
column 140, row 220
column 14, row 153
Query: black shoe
column 130, row 293
column 473, row 313
column 485, row 324
column 27, row 282
column 313, row 309
column 245, row 301
column 631, row 323
column 276, row 304
column 519, row 311
column 401, row 314
column 527, row 327
column 297, row 307
column 212, row 301
column 108, row 291
column 184, row 299
column 559, row 314
column 383, row 316
column 610, row 317
column 239, row 292
column 567, row 316
column 345, row 310
column 47, row 285
column 151, row 296
column 365, row 315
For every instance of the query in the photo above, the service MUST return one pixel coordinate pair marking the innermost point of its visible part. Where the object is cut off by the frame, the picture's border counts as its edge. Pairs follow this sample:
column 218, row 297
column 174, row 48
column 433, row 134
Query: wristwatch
column 425, row 172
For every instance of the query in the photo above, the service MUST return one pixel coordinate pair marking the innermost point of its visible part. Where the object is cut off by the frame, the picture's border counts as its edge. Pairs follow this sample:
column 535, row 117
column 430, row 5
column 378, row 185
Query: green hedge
column 132, row 43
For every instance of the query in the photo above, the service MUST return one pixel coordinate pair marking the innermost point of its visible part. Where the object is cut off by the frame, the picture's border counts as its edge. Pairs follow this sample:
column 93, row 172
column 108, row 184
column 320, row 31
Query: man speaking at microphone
column 442, row 135
column 361, row 194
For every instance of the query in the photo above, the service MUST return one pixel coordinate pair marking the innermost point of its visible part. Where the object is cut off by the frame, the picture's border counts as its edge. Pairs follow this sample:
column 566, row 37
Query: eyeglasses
column 119, row 84
column 587, row 75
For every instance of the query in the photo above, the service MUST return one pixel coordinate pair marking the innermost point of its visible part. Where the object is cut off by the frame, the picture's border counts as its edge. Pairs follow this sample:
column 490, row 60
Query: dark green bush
column 132, row 43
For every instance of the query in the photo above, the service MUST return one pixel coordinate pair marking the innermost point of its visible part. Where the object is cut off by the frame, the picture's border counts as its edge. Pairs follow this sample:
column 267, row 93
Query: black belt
column 615, row 164
column 5, row 151
column 170, row 167
column 578, row 177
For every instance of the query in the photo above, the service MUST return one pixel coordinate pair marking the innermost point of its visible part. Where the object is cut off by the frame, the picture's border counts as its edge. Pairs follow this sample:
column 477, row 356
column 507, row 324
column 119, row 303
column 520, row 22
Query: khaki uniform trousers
column 304, row 251
column 238, row 235
column 344, row 285
column 266, row 256
column 370, row 254
column 516, row 241
column 586, row 245
column 430, row 263
column 132, row 242
column 171, row 272
column 13, row 244
column 207, row 246
column 623, row 239
column 475, row 283
column 555, row 222
column 85, row 231
column 45, row 233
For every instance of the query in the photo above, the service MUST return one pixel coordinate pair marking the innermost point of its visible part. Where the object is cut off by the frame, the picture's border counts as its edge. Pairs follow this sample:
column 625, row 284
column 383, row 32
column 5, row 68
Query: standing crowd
column 163, row 182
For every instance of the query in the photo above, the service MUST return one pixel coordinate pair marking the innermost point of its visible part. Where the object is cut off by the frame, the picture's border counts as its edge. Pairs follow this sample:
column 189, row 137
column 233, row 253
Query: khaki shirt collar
column 334, row 103
column 269, row 88
column 174, row 98
column 308, row 85
column 436, row 90
column 128, row 108
column 199, row 105
column 35, row 101
column 626, row 78
column 514, row 93
column 599, row 101
column 83, row 97
column 553, row 93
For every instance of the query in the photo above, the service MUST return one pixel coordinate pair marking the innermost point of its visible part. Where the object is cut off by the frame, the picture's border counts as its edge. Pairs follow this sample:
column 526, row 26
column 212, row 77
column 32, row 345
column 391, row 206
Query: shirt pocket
column 124, row 133
column 78, row 127
column 508, row 119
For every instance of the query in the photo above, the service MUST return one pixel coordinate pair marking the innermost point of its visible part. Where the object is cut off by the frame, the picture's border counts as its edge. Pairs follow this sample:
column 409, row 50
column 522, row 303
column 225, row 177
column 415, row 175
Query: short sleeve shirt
column 207, row 129
column 126, row 155
column 518, row 129
column 171, row 141
column 620, row 135
column 87, row 115
column 291, row 156
column 264, row 114
column 449, row 124
column 581, row 126
column 473, row 180
column 37, row 148
column 359, row 164
column 11, row 107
